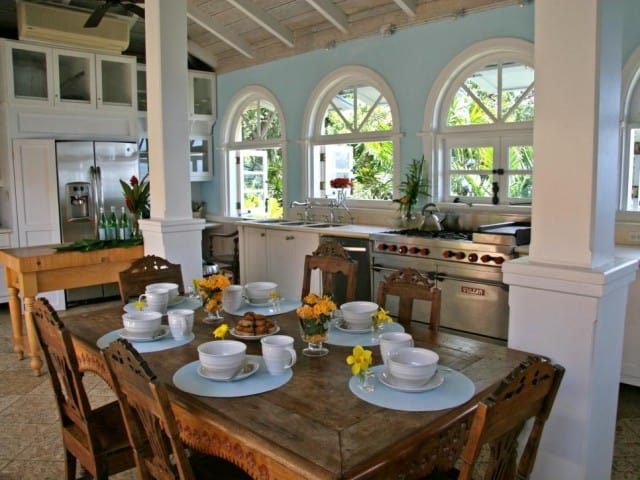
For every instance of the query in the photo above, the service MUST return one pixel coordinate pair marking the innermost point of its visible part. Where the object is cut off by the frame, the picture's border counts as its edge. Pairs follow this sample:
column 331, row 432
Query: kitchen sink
column 319, row 225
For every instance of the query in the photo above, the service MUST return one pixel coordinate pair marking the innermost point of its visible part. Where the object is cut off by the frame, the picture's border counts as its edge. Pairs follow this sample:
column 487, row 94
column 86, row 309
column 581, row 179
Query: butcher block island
column 32, row 270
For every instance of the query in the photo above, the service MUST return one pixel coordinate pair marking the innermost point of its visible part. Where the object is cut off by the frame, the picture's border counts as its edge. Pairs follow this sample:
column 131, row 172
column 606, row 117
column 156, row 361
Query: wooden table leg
column 34, row 344
column 15, row 312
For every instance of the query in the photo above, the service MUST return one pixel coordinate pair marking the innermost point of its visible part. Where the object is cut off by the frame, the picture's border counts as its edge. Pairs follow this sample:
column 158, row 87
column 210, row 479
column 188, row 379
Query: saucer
column 343, row 327
column 162, row 332
column 392, row 382
column 176, row 301
column 250, row 367
column 263, row 304
column 253, row 337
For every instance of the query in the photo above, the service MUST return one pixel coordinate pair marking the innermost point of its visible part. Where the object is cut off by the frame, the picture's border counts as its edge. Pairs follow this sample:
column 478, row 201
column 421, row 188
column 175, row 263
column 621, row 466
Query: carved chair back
column 408, row 285
column 331, row 259
column 96, row 438
column 146, row 270
column 528, row 392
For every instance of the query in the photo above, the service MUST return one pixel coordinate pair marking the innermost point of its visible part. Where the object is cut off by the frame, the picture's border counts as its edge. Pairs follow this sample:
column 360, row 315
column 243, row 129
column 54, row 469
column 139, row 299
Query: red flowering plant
column 136, row 196
column 341, row 183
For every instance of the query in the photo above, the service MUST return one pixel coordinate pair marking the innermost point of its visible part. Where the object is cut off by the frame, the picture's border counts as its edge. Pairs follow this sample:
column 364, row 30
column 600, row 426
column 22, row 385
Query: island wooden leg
column 15, row 312
column 34, row 343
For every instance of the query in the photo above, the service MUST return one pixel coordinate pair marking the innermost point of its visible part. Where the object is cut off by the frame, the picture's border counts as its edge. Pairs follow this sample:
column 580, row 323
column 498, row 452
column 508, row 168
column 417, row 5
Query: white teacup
column 172, row 288
column 156, row 300
column 391, row 341
column 278, row 353
column 232, row 298
column 180, row 322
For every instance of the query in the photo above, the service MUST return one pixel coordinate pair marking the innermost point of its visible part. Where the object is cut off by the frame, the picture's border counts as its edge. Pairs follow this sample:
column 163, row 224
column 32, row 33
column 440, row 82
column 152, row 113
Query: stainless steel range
column 464, row 266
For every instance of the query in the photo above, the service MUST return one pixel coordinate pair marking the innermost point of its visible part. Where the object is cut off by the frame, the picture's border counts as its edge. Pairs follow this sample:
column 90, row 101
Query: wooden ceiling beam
column 332, row 13
column 409, row 6
column 218, row 29
column 202, row 54
column 265, row 20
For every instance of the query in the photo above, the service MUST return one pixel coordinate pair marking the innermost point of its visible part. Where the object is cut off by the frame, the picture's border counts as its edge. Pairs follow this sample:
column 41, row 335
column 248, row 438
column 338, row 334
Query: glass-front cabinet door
column 74, row 78
column 200, row 160
column 202, row 86
column 116, row 81
column 29, row 68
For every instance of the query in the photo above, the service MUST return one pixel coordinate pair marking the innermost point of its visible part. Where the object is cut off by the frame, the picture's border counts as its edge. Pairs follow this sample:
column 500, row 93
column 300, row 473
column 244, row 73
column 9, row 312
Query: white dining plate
column 253, row 337
column 176, row 301
column 162, row 332
column 343, row 327
column 390, row 381
column 250, row 367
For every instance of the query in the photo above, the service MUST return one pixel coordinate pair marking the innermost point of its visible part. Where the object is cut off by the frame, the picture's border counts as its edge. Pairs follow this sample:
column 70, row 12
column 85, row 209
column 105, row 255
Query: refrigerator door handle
column 99, row 187
column 94, row 195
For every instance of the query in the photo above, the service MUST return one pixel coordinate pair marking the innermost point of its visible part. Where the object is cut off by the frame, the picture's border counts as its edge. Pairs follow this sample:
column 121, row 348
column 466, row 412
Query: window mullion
column 480, row 103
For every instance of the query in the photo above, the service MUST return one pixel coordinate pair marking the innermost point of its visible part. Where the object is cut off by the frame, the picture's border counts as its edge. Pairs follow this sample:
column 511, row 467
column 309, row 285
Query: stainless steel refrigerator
column 89, row 176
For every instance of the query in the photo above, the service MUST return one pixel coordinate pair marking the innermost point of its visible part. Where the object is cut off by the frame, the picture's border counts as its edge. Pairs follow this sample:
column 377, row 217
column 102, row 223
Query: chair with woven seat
column 151, row 425
column 408, row 285
column 331, row 259
column 146, row 270
column 527, row 393
column 94, row 438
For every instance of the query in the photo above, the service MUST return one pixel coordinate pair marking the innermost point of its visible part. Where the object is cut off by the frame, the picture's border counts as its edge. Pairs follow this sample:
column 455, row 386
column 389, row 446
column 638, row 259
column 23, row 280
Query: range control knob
column 460, row 255
column 486, row 258
column 489, row 258
column 447, row 254
column 393, row 248
column 424, row 251
column 414, row 250
column 382, row 246
column 473, row 257
column 499, row 260
column 403, row 249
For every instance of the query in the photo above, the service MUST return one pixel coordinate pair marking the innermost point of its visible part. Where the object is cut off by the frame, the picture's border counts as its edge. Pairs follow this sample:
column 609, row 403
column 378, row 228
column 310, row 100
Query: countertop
column 353, row 231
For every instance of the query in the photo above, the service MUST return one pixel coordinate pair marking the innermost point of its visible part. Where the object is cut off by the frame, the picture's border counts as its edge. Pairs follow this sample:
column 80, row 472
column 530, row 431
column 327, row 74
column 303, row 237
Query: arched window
column 630, row 146
column 352, row 129
column 480, row 115
column 254, row 140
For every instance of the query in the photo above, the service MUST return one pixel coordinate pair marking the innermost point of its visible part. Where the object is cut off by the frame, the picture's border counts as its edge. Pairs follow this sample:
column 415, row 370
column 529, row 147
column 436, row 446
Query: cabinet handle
column 289, row 237
column 263, row 234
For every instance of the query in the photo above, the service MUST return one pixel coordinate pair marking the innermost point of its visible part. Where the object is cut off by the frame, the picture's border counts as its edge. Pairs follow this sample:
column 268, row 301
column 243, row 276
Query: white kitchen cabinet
column 276, row 255
column 68, row 79
column 36, row 187
column 202, row 95
column 631, row 349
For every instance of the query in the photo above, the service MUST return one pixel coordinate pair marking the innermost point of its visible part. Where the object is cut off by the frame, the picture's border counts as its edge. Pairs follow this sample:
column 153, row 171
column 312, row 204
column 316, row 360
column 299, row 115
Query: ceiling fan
column 101, row 10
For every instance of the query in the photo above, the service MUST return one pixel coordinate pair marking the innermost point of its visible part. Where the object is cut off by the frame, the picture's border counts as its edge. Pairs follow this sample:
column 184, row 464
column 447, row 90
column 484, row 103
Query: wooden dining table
column 313, row 426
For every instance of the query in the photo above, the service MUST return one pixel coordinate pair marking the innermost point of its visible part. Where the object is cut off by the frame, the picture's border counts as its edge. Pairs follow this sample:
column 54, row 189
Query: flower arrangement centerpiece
column 210, row 290
column 414, row 185
column 379, row 318
column 136, row 197
column 341, row 184
column 360, row 361
column 314, row 316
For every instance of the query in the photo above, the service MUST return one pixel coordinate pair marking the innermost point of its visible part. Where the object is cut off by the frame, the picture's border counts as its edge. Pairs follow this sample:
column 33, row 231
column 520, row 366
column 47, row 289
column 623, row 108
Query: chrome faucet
column 306, row 216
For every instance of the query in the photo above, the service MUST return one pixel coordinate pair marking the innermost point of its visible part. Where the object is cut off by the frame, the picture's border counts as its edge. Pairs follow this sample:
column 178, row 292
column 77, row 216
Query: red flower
column 133, row 181
column 341, row 183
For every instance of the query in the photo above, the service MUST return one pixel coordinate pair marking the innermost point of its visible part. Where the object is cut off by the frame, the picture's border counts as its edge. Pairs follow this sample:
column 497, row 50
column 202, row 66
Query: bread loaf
column 253, row 324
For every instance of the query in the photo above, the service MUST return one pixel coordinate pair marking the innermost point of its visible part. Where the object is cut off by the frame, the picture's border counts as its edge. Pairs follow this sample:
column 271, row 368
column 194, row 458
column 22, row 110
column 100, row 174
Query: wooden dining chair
column 408, row 285
column 151, row 425
column 331, row 259
column 226, row 261
column 528, row 392
column 95, row 438
column 146, row 270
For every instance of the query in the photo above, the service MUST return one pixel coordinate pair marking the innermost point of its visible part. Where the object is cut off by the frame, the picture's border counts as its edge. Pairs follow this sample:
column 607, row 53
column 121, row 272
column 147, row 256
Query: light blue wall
column 410, row 60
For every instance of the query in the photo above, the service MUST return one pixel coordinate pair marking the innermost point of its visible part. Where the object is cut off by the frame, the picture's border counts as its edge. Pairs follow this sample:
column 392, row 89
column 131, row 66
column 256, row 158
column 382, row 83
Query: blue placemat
column 188, row 380
column 456, row 390
column 286, row 305
column 345, row 339
column 164, row 343
column 190, row 303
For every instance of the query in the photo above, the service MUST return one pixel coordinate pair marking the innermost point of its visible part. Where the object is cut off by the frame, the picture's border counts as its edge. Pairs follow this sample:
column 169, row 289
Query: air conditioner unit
column 45, row 23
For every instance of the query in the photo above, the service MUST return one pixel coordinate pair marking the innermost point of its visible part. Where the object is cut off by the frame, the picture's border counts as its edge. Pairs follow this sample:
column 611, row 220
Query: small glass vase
column 213, row 309
column 314, row 331
column 366, row 381
column 213, row 317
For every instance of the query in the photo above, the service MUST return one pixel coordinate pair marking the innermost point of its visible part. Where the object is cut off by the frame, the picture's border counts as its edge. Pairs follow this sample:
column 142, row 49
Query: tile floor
column 31, row 448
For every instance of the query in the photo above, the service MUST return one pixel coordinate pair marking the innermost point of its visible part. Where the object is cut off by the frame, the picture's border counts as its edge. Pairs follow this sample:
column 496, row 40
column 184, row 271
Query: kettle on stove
column 432, row 222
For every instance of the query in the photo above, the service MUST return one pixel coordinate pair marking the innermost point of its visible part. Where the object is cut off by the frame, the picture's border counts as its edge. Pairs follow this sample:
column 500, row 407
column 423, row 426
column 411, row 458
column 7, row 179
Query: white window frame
column 315, row 110
column 437, row 134
column 237, row 105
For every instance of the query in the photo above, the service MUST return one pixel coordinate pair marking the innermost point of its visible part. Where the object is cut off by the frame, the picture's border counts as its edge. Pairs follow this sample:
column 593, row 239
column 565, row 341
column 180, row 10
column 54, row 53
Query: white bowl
column 142, row 323
column 259, row 292
column 357, row 315
column 172, row 288
column 222, row 357
column 412, row 366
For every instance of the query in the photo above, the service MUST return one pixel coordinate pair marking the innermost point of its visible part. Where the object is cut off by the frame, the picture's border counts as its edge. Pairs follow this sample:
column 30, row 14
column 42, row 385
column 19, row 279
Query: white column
column 567, row 299
column 171, row 232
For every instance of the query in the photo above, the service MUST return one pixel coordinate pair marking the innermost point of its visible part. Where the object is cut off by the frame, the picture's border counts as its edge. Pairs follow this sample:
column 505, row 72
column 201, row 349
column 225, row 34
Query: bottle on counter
column 113, row 225
column 103, row 225
column 124, row 226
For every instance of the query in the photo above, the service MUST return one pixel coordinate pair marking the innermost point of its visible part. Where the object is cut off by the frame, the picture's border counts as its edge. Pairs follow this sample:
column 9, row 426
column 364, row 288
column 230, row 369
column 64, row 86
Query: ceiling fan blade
column 95, row 17
column 135, row 9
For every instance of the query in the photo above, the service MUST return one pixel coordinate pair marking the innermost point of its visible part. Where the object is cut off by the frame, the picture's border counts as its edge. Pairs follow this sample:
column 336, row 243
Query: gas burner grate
column 444, row 235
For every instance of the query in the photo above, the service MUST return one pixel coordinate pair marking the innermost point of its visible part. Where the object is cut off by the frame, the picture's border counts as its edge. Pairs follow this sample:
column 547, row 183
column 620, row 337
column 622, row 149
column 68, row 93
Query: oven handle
column 431, row 275
column 441, row 277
